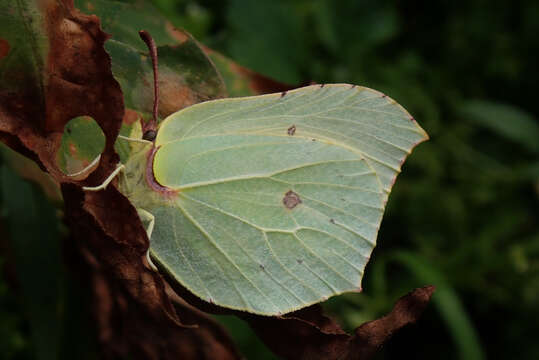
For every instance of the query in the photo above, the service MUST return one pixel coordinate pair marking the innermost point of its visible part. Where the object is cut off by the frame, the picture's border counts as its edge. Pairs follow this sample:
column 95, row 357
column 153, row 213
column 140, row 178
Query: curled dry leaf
column 370, row 336
column 308, row 334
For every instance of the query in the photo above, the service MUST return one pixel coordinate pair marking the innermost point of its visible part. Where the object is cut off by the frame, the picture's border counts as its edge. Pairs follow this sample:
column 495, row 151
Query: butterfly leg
column 146, row 215
column 105, row 183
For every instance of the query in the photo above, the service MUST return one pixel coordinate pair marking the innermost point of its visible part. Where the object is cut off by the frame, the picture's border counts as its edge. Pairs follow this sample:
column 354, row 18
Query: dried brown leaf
column 134, row 315
column 74, row 80
column 309, row 334
column 370, row 336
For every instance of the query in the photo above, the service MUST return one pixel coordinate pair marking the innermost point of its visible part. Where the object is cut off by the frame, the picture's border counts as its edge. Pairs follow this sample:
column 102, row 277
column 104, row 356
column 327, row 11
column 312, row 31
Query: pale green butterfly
column 271, row 203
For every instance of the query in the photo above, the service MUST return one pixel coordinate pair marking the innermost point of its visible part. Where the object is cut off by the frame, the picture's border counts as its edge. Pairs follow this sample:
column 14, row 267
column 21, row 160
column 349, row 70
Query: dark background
column 464, row 215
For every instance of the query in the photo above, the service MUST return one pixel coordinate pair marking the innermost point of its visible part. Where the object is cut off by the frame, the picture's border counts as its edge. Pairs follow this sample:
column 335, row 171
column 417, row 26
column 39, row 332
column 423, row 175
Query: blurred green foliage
column 465, row 213
column 40, row 309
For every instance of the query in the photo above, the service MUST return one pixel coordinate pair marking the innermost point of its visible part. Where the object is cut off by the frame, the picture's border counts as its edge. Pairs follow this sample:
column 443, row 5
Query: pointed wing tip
column 424, row 134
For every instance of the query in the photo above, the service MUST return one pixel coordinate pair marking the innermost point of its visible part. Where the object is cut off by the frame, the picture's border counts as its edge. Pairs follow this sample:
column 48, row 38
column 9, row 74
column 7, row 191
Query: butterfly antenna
column 149, row 129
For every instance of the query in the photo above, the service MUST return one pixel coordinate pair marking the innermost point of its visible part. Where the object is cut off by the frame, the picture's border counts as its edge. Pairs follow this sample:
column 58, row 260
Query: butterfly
column 268, row 204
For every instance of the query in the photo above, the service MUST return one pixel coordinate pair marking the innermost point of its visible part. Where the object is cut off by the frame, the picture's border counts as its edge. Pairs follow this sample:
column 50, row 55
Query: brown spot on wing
column 291, row 130
column 291, row 200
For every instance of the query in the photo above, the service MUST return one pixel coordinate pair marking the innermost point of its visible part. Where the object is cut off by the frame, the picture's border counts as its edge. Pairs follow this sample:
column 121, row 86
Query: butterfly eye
column 149, row 135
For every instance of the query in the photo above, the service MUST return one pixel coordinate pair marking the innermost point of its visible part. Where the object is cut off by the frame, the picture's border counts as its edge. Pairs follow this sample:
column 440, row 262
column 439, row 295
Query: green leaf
column 505, row 120
column 241, row 81
column 237, row 84
column 82, row 143
column 186, row 75
column 273, row 203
